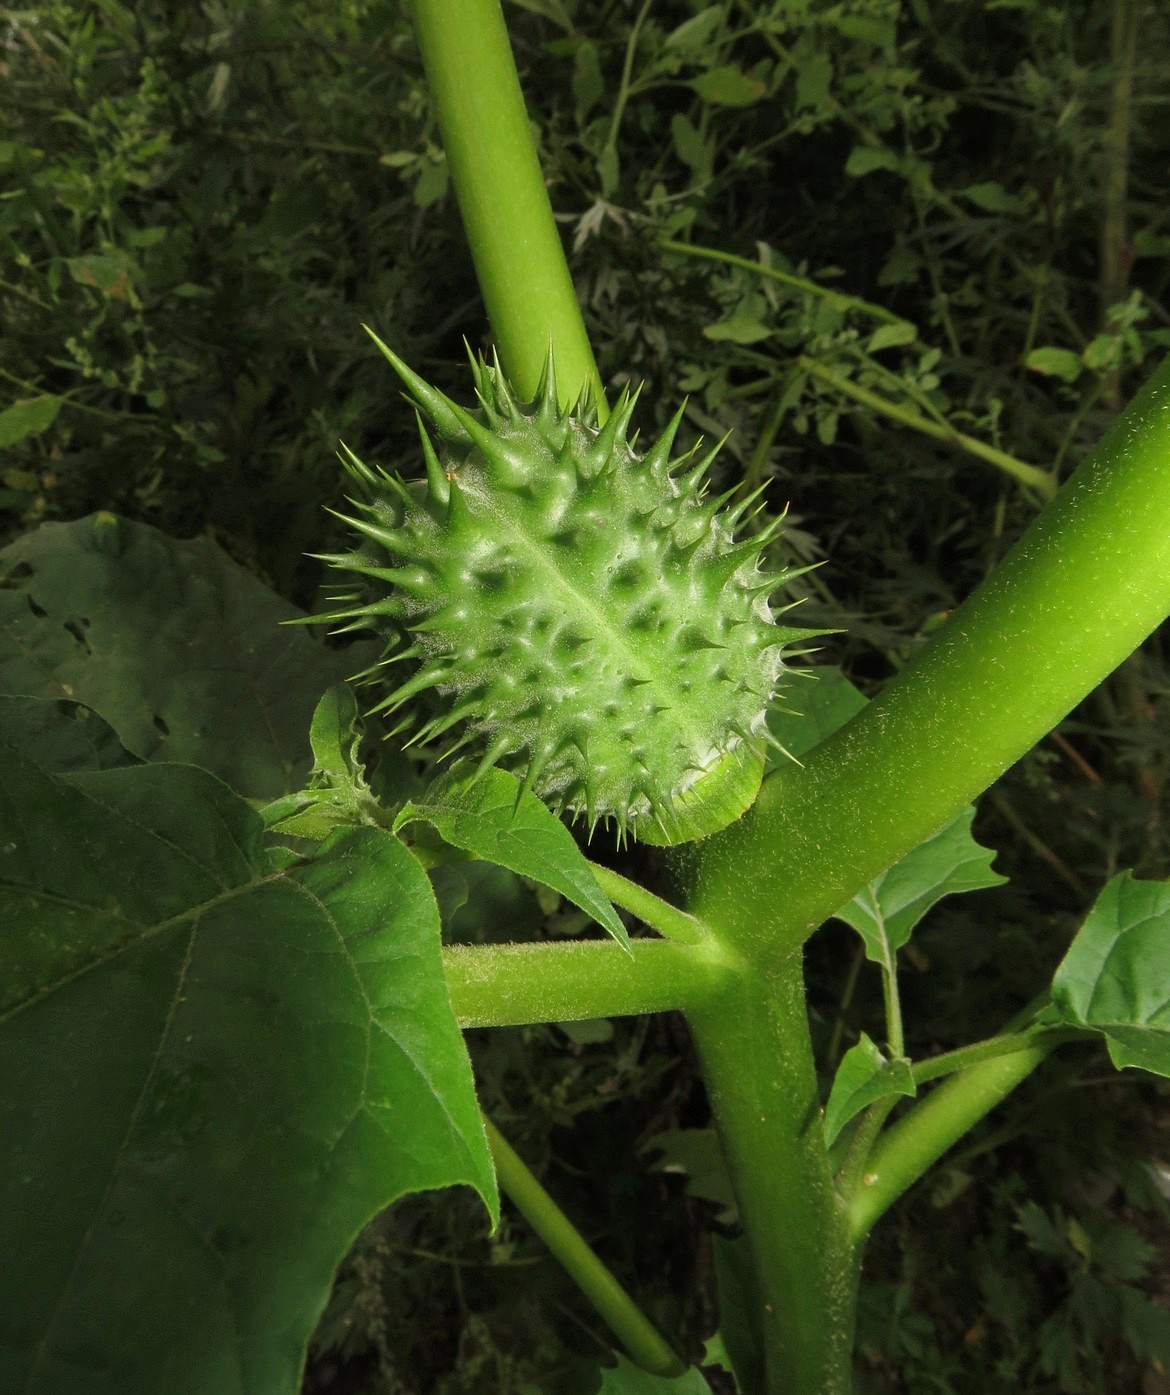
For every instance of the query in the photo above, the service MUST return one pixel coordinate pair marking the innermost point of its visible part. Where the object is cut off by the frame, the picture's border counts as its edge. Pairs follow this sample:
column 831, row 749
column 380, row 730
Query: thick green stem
column 514, row 240
column 615, row 1305
column 754, row 1049
column 514, row 985
column 1087, row 582
column 916, row 1142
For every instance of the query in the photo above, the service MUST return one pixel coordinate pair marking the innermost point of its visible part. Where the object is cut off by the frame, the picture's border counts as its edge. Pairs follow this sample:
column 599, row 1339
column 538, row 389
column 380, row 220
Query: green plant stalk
column 515, row 985
column 1031, row 475
column 837, row 299
column 964, row 1057
column 1087, row 582
column 497, row 179
column 756, row 1057
column 916, row 1142
column 614, row 1304
column 660, row 915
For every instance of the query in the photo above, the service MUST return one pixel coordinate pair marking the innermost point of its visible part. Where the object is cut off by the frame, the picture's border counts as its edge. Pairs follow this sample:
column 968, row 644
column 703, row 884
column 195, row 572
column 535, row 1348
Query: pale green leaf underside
column 1115, row 977
column 485, row 820
column 214, row 1075
column 864, row 1077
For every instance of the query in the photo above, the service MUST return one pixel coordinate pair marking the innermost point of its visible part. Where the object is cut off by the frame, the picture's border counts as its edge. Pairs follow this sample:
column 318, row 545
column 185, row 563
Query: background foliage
column 941, row 250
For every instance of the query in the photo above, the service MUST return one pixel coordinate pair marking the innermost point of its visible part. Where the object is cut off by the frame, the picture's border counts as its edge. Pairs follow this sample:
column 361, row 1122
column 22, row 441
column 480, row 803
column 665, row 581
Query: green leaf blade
column 1115, row 977
column 864, row 1077
column 493, row 820
column 887, row 911
column 216, row 1075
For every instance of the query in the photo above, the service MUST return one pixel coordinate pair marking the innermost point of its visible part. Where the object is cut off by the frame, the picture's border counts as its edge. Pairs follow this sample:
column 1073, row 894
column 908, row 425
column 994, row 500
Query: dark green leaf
column 1115, row 977
column 863, row 1077
column 891, row 336
column 745, row 324
column 214, row 1076
column 179, row 649
column 60, row 736
column 492, row 820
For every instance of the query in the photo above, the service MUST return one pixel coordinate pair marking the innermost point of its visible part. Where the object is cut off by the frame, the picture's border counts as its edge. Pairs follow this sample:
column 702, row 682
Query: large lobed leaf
column 215, row 1072
column 179, row 649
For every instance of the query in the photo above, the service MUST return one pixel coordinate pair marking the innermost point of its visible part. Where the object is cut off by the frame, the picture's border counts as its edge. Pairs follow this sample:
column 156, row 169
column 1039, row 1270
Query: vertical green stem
column 565, row 1241
column 502, row 196
column 756, row 1056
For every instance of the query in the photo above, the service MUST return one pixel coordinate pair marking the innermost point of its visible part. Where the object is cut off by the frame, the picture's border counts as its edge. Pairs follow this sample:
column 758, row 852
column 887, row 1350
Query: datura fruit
column 569, row 609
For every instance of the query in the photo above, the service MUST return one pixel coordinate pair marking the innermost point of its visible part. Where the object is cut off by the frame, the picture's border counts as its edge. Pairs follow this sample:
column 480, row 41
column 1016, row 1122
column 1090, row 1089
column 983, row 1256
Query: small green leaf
column 863, row 1077
column 728, row 86
column 588, row 83
column 694, row 33
column 626, row 1379
column 1055, row 363
column 886, row 912
column 1115, row 977
column 493, row 820
column 891, row 336
column 110, row 275
column 431, row 184
column 337, row 795
column 689, row 145
column 216, row 1072
column 745, row 324
column 814, row 77
column 993, row 198
column 865, row 159
column 28, row 418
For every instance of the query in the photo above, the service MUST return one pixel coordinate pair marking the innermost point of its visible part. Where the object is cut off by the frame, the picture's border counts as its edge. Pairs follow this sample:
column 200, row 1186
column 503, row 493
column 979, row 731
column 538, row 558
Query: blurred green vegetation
column 897, row 249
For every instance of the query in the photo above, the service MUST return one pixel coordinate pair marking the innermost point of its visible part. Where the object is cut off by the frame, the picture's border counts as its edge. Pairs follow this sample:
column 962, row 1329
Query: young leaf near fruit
column 570, row 610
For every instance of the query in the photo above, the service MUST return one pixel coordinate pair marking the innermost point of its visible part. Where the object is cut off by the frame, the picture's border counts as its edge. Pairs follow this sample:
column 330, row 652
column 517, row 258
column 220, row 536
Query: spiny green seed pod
column 569, row 610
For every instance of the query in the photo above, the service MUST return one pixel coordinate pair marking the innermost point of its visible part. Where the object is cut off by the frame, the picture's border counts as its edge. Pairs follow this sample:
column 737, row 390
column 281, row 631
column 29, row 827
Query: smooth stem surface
column 497, row 179
column 916, row 1142
column 1087, row 582
column 514, row 985
column 565, row 1241
column 756, row 1056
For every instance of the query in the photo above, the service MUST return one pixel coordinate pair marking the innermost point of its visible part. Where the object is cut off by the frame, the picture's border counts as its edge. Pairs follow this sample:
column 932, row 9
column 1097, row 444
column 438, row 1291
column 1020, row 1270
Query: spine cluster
column 558, row 605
